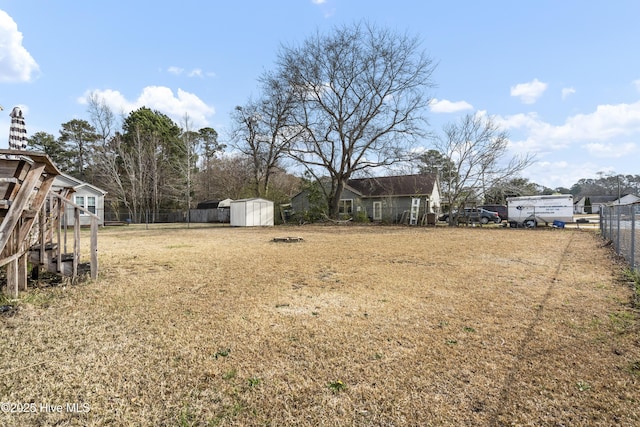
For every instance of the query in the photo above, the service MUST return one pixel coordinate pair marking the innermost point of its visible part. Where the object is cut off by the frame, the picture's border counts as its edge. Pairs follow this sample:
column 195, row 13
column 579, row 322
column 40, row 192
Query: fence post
column 611, row 224
column 632, row 258
column 618, row 229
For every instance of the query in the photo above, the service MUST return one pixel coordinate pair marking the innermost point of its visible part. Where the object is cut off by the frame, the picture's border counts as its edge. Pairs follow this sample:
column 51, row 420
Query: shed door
column 377, row 211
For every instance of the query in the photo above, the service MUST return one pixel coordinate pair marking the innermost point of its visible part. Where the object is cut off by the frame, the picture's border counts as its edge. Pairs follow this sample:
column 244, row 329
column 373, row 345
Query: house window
column 91, row 204
column 88, row 202
column 80, row 201
column 346, row 206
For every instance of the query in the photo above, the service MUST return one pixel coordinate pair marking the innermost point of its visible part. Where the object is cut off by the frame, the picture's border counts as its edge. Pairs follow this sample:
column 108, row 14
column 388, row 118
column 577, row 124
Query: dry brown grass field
column 353, row 326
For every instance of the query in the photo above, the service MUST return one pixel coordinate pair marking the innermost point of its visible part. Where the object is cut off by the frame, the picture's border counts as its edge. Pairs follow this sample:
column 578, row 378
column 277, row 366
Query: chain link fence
column 620, row 225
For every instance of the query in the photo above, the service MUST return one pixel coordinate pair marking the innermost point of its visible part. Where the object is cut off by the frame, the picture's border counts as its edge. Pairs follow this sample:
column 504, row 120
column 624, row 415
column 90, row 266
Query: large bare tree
column 478, row 153
column 359, row 97
column 263, row 131
column 107, row 154
column 225, row 177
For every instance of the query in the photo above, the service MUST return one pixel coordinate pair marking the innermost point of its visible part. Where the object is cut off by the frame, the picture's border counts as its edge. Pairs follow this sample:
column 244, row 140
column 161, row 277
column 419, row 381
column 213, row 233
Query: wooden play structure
column 34, row 229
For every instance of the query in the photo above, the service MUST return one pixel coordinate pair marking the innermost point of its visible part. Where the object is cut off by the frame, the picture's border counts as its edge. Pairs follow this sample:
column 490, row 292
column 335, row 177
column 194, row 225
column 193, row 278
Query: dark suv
column 500, row 209
column 480, row 215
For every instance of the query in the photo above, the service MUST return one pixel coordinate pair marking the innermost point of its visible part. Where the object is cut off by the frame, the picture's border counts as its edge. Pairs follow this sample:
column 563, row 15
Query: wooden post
column 94, row 248
column 12, row 278
column 42, row 221
column 76, row 241
column 66, row 229
column 61, row 212
column 12, row 266
column 22, row 272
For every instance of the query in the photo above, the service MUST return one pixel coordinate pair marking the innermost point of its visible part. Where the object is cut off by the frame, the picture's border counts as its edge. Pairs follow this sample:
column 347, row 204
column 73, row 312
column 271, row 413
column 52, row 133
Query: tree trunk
column 334, row 200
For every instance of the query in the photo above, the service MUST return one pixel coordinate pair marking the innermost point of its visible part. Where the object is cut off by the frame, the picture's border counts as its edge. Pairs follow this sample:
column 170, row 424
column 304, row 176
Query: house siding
column 81, row 189
column 395, row 195
column 393, row 208
column 84, row 218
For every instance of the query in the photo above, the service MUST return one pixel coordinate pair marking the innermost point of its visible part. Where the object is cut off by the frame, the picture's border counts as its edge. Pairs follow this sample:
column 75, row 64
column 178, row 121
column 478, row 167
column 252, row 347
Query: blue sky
column 562, row 77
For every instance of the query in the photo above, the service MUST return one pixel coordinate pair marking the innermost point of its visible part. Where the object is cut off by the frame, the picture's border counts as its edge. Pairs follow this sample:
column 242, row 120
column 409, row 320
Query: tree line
column 348, row 103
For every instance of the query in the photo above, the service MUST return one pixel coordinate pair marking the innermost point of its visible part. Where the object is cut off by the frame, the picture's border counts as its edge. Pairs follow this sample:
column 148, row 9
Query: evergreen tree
column 57, row 150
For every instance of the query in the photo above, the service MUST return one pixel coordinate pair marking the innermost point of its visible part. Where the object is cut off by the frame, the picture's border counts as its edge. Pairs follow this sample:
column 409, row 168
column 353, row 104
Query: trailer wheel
column 530, row 223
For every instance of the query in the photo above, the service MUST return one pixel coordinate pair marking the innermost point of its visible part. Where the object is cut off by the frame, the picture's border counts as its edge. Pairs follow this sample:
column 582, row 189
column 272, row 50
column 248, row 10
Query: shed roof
column 252, row 199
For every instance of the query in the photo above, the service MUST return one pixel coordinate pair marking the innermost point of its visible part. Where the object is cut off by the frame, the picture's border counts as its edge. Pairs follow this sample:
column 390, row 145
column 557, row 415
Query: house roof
column 403, row 185
column 598, row 199
column 64, row 180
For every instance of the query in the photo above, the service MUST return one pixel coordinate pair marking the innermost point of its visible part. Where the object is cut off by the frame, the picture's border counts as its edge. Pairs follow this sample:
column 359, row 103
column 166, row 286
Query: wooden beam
column 20, row 203
column 33, row 156
column 37, row 204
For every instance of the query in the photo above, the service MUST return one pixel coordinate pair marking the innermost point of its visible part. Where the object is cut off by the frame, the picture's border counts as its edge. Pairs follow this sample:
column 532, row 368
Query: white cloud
column 327, row 11
column 605, row 124
column 446, row 106
column 196, row 72
column 636, row 83
column 567, row 91
column 578, row 147
column 16, row 63
column 561, row 173
column 175, row 70
column 610, row 150
column 529, row 92
column 162, row 99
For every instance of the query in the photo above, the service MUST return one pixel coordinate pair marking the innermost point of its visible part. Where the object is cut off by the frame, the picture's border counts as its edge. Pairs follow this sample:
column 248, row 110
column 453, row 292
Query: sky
column 561, row 77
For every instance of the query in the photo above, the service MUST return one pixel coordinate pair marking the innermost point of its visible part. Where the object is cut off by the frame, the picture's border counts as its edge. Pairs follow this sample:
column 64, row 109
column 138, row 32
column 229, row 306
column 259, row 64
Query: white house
column 628, row 199
column 598, row 201
column 251, row 212
column 85, row 195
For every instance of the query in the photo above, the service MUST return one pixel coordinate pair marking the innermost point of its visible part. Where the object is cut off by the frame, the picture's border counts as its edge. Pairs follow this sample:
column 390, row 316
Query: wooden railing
column 48, row 243
column 54, row 233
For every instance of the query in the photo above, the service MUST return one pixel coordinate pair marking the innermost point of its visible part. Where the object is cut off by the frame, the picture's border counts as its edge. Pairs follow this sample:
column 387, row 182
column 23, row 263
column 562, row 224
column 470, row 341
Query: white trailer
column 529, row 211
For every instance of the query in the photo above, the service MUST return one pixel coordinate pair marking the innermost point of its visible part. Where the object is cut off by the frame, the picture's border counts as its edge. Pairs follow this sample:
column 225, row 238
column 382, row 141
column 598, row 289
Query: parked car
column 500, row 209
column 480, row 215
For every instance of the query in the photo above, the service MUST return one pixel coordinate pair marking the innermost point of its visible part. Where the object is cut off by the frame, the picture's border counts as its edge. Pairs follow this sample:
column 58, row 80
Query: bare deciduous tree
column 226, row 177
column 477, row 150
column 108, row 153
column 359, row 97
column 264, row 132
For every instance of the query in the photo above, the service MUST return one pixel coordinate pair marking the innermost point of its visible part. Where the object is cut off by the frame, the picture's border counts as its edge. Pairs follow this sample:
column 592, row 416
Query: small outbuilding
column 254, row 212
column 85, row 195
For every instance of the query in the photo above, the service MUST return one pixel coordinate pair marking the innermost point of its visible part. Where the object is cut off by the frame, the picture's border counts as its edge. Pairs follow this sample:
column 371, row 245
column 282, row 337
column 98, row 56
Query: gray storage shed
column 254, row 212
